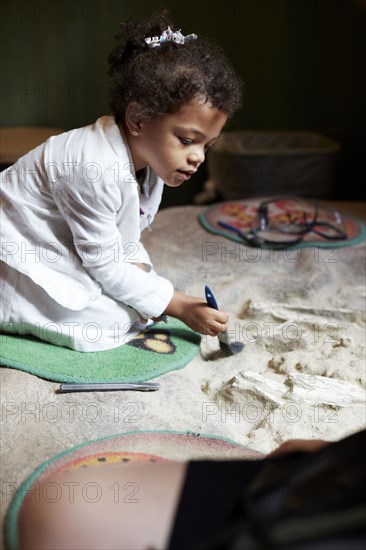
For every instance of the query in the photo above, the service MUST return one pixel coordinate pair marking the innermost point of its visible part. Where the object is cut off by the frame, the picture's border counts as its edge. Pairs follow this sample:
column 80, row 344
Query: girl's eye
column 208, row 146
column 186, row 141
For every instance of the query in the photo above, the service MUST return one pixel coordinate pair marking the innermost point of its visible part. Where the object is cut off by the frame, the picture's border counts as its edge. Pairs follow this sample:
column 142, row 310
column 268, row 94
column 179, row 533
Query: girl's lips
column 185, row 175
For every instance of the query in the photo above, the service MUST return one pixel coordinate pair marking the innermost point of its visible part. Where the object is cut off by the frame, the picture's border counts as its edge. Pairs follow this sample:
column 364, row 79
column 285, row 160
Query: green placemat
column 157, row 350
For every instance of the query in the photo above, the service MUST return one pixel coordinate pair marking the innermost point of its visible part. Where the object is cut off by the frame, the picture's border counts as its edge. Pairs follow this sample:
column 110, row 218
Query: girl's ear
column 134, row 118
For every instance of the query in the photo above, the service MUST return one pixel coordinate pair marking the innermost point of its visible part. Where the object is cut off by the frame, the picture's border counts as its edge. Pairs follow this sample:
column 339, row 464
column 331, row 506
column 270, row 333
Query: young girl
column 73, row 270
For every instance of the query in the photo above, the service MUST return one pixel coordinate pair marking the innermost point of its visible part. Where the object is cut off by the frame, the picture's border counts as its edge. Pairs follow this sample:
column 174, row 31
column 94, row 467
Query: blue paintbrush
column 225, row 343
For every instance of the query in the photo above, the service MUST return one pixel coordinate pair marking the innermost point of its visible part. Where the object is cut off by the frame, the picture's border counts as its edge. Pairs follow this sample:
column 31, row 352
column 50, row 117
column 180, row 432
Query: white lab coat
column 71, row 222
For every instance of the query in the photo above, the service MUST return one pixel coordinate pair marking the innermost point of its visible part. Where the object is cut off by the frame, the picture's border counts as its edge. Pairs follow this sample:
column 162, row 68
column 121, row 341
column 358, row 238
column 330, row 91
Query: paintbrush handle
column 210, row 298
column 212, row 302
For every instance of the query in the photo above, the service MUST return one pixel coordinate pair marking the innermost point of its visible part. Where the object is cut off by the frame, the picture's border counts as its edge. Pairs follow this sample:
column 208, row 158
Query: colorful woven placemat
column 242, row 215
column 140, row 446
column 155, row 351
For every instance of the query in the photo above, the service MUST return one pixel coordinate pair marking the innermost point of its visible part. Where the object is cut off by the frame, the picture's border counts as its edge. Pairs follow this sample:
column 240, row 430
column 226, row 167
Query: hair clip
column 167, row 36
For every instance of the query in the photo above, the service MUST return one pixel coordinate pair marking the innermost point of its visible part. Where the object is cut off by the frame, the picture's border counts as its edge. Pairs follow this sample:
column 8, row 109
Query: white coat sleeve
column 90, row 211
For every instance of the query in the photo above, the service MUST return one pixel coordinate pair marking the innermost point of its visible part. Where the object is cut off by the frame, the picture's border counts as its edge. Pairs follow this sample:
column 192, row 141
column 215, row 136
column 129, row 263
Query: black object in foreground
column 110, row 386
column 225, row 343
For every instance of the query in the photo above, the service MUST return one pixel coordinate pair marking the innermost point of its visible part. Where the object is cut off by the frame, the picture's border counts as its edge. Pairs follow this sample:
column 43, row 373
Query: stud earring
column 135, row 133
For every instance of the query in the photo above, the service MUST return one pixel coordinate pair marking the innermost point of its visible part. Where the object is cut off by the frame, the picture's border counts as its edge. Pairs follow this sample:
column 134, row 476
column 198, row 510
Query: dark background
column 302, row 63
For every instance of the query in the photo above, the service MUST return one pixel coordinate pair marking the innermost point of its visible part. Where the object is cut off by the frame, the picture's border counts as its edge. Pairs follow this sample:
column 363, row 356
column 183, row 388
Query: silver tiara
column 167, row 36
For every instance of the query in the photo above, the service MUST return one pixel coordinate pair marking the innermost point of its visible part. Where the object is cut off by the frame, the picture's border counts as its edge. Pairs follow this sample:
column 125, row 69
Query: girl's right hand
column 196, row 314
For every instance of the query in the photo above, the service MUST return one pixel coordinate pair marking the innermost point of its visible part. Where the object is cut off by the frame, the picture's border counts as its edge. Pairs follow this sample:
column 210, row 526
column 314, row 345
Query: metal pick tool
column 109, row 386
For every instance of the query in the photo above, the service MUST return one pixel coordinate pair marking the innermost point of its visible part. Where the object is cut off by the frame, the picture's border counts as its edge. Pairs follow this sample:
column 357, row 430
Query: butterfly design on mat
column 157, row 341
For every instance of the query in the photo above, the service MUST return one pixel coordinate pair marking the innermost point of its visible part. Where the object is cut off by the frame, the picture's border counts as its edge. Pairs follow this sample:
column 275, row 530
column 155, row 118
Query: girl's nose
column 197, row 156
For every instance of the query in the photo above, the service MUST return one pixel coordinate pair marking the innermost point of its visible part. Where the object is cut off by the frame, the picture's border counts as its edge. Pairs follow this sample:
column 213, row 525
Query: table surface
column 15, row 142
column 355, row 208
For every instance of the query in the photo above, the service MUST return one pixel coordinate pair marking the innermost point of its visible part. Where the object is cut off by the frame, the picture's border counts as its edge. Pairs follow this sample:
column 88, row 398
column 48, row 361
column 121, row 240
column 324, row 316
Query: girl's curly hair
column 164, row 78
